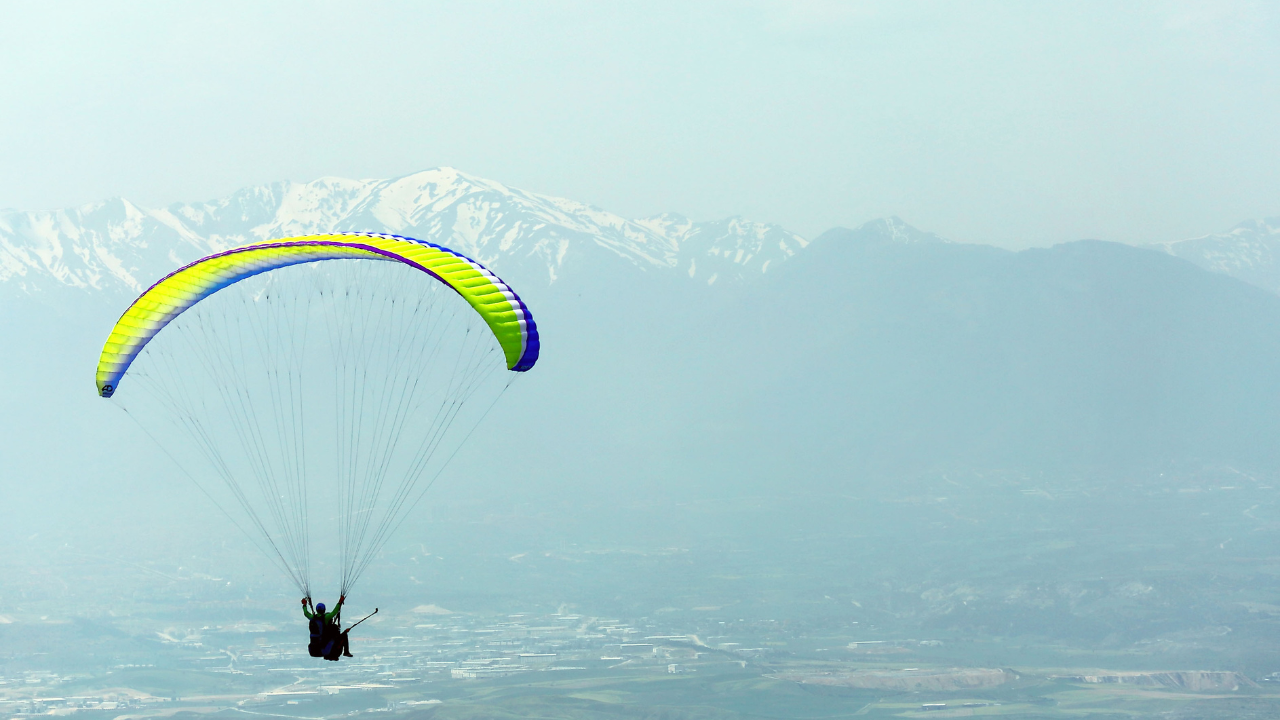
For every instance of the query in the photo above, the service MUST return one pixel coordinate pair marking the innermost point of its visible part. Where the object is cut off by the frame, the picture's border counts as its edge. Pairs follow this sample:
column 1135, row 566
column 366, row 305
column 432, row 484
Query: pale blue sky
column 1013, row 123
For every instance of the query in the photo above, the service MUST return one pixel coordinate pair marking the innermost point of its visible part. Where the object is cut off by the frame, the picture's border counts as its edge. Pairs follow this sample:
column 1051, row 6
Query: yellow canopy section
column 499, row 306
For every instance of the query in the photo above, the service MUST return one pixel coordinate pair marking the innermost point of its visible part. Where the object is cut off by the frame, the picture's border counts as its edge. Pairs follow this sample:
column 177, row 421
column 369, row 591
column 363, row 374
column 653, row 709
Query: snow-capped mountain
column 116, row 245
column 1249, row 251
column 895, row 230
column 119, row 247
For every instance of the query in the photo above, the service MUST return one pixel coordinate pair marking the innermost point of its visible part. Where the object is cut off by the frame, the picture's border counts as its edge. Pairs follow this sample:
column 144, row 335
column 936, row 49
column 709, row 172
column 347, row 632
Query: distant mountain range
column 734, row 347
column 118, row 246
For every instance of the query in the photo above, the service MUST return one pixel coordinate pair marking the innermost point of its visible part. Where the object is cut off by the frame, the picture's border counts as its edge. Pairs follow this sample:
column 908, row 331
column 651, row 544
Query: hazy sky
column 1013, row 123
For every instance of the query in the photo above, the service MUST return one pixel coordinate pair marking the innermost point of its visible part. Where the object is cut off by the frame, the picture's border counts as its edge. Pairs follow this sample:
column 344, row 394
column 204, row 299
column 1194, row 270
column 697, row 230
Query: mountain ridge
column 116, row 245
column 884, row 349
column 1250, row 251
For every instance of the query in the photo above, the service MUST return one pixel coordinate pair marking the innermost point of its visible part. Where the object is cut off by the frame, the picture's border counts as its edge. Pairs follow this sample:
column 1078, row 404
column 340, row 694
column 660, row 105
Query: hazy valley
column 834, row 474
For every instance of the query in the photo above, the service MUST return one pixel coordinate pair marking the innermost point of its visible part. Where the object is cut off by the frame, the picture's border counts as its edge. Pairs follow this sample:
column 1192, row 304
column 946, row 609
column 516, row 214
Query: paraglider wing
column 502, row 310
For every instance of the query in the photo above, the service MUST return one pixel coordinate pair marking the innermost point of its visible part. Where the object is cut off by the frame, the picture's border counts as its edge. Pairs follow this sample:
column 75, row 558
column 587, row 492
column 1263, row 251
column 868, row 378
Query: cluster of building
column 396, row 659
column 38, row 692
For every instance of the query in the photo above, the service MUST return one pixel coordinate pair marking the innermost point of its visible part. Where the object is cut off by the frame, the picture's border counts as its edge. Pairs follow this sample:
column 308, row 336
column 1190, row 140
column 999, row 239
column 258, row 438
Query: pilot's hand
column 304, row 602
column 342, row 598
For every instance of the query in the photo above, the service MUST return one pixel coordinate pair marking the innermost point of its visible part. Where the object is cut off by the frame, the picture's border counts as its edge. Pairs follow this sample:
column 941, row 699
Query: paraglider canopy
column 503, row 311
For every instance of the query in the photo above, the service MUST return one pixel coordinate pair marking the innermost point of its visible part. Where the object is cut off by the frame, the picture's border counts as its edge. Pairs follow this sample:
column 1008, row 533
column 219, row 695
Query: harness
column 317, row 627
